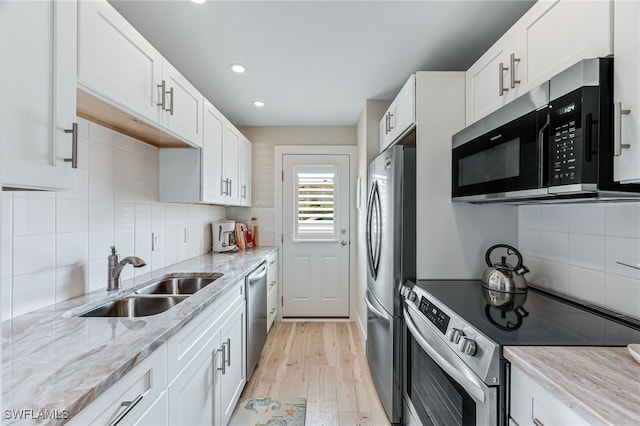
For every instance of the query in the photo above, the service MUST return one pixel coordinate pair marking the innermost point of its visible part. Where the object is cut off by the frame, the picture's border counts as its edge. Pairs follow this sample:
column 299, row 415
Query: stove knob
column 467, row 346
column 455, row 334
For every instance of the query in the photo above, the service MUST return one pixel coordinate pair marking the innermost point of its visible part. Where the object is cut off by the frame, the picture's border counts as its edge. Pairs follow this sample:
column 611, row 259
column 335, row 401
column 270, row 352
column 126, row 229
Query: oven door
column 507, row 162
column 439, row 388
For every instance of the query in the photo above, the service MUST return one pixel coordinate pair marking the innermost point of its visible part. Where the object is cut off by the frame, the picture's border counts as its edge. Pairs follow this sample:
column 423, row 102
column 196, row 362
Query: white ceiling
column 314, row 63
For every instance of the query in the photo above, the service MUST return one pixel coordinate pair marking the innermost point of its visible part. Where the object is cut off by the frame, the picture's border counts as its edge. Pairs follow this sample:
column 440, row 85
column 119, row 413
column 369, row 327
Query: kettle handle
column 519, row 269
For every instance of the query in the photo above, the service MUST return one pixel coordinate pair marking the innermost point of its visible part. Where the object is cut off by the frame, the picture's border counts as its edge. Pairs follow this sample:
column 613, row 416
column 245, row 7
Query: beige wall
column 264, row 139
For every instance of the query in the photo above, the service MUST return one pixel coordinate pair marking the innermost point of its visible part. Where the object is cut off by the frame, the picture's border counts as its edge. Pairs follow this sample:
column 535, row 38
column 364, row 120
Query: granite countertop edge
column 563, row 370
column 45, row 367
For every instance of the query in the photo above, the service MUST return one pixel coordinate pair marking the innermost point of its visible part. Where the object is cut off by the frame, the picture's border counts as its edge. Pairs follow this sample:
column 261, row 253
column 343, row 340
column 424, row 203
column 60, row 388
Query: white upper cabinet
column 213, row 185
column 626, row 87
column 183, row 105
column 244, row 171
column 119, row 66
column 550, row 37
column 38, row 62
column 116, row 62
column 230, row 169
column 400, row 116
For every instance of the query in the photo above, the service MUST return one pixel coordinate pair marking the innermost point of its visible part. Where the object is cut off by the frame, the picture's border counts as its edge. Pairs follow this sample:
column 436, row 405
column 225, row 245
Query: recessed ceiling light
column 239, row 68
column 259, row 104
column 198, row 1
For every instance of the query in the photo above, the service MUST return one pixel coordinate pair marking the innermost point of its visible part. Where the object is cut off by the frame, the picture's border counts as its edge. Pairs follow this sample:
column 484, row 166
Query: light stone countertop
column 57, row 362
column 601, row 384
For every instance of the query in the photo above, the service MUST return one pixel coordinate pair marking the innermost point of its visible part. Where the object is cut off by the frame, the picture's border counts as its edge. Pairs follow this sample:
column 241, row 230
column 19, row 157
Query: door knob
column 344, row 243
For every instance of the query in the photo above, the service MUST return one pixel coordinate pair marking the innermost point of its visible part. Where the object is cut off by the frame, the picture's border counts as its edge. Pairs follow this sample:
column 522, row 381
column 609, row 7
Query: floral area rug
column 269, row 412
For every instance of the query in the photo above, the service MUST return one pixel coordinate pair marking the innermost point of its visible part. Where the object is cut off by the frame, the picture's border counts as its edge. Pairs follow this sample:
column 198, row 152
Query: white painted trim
column 352, row 152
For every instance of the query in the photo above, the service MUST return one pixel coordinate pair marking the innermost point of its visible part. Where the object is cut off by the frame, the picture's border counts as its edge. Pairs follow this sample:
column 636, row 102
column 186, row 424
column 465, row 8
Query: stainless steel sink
column 134, row 306
column 179, row 284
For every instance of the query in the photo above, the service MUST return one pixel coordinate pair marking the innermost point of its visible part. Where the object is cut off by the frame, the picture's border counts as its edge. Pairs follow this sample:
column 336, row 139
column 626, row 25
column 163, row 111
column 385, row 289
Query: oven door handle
column 383, row 316
column 459, row 373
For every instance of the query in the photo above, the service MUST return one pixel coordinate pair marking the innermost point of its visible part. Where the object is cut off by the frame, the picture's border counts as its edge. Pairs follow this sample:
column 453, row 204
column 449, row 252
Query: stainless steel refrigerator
column 391, row 258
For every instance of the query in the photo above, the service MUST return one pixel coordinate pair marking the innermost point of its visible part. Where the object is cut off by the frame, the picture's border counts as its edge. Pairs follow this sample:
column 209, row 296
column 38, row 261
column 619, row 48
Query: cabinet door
column 213, row 184
column 157, row 414
column 626, row 86
column 556, row 34
column 115, row 61
column 234, row 377
column 484, row 77
column 183, row 105
column 192, row 393
column 38, row 60
column 404, row 109
column 244, row 165
column 230, row 153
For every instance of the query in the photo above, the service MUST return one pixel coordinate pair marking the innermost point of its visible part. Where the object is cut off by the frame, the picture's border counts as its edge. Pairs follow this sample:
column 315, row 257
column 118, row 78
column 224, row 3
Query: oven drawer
column 532, row 405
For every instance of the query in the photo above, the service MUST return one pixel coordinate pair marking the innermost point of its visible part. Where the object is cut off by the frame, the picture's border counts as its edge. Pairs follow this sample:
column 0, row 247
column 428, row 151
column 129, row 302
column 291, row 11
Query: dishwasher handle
column 256, row 275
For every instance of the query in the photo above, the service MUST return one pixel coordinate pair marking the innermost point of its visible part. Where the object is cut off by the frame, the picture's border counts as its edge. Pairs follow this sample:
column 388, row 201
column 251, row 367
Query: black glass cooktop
column 543, row 320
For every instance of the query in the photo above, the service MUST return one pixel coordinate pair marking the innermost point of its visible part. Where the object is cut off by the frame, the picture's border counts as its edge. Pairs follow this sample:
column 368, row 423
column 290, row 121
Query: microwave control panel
column 565, row 144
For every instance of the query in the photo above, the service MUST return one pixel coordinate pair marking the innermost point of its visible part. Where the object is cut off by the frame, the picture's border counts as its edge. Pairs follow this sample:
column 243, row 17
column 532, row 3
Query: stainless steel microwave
column 554, row 143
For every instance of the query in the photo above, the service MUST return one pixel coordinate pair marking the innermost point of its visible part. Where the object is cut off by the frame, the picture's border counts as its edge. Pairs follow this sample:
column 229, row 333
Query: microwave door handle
column 588, row 137
column 460, row 373
column 542, row 168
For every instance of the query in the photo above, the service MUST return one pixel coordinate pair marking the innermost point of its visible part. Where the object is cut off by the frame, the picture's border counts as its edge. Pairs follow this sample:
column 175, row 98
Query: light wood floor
column 323, row 362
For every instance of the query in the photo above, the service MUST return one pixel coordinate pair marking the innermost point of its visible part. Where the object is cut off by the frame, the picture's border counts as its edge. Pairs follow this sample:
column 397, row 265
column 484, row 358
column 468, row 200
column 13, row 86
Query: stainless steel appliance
column 223, row 235
column 256, row 291
column 391, row 248
column 554, row 142
column 455, row 371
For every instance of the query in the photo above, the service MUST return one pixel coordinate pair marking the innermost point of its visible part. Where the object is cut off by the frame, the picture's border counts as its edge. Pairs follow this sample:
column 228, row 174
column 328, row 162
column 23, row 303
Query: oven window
column 436, row 397
column 496, row 163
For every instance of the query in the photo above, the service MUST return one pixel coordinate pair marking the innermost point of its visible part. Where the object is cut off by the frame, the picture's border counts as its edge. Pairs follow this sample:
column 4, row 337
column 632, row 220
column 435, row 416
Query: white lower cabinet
column 134, row 399
column 233, row 374
column 532, row 405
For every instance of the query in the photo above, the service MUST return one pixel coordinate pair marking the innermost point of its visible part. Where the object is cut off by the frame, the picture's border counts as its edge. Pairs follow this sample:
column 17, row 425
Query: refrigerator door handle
column 382, row 315
column 371, row 261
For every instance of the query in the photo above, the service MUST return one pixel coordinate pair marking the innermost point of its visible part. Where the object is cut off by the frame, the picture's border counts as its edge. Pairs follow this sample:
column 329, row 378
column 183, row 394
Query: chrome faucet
column 115, row 268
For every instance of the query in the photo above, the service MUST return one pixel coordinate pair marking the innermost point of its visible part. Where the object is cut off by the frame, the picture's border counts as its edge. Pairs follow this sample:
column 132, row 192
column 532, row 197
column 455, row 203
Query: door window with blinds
column 315, row 203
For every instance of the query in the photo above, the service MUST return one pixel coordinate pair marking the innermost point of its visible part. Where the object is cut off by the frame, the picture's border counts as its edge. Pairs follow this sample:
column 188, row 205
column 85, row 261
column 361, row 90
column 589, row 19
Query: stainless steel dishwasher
column 256, row 286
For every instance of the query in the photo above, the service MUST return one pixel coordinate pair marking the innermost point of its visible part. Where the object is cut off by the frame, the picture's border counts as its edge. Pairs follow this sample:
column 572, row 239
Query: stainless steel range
column 455, row 373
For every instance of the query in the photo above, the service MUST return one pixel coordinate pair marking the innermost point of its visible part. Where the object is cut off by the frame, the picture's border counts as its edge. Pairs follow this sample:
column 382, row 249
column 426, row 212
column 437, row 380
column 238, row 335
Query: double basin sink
column 154, row 297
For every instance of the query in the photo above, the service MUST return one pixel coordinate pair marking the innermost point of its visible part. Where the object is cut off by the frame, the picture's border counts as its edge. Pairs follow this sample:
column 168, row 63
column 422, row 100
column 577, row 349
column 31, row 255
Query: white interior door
column 315, row 231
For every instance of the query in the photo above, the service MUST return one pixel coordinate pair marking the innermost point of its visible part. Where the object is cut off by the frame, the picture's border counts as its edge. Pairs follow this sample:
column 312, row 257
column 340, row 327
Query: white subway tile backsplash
column 72, row 248
column 623, row 220
column 71, row 281
column 55, row 244
column 528, row 241
column 33, row 253
column 529, row 217
column 100, row 242
column 586, row 284
column 101, row 157
column 33, row 215
column 623, row 295
column 626, row 250
column 33, row 291
column 101, row 186
column 124, row 214
column 554, row 246
column 586, row 218
column 100, row 215
column 555, row 276
column 72, row 215
column 554, row 218
column 586, row 251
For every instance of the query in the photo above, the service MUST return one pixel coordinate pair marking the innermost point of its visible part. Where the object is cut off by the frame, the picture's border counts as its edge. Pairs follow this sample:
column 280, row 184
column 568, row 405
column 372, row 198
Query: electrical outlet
column 155, row 241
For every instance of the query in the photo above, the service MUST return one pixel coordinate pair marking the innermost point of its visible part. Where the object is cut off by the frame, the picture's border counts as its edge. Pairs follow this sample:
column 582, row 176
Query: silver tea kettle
column 502, row 276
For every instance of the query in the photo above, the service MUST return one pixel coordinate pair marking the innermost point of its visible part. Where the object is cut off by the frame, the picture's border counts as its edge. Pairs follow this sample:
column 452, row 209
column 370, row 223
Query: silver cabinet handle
column 537, row 422
column 272, row 311
column 224, row 357
column 230, row 187
column 390, row 126
column 387, row 127
column 74, row 146
column 162, row 104
column 502, row 69
column 228, row 354
column 171, row 102
column 222, row 187
column 244, row 191
column 513, row 70
column 129, row 406
column 618, row 112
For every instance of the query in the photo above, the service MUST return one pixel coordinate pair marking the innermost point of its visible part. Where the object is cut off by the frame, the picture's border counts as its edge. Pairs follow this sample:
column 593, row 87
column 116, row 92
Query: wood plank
column 322, row 399
column 353, row 418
